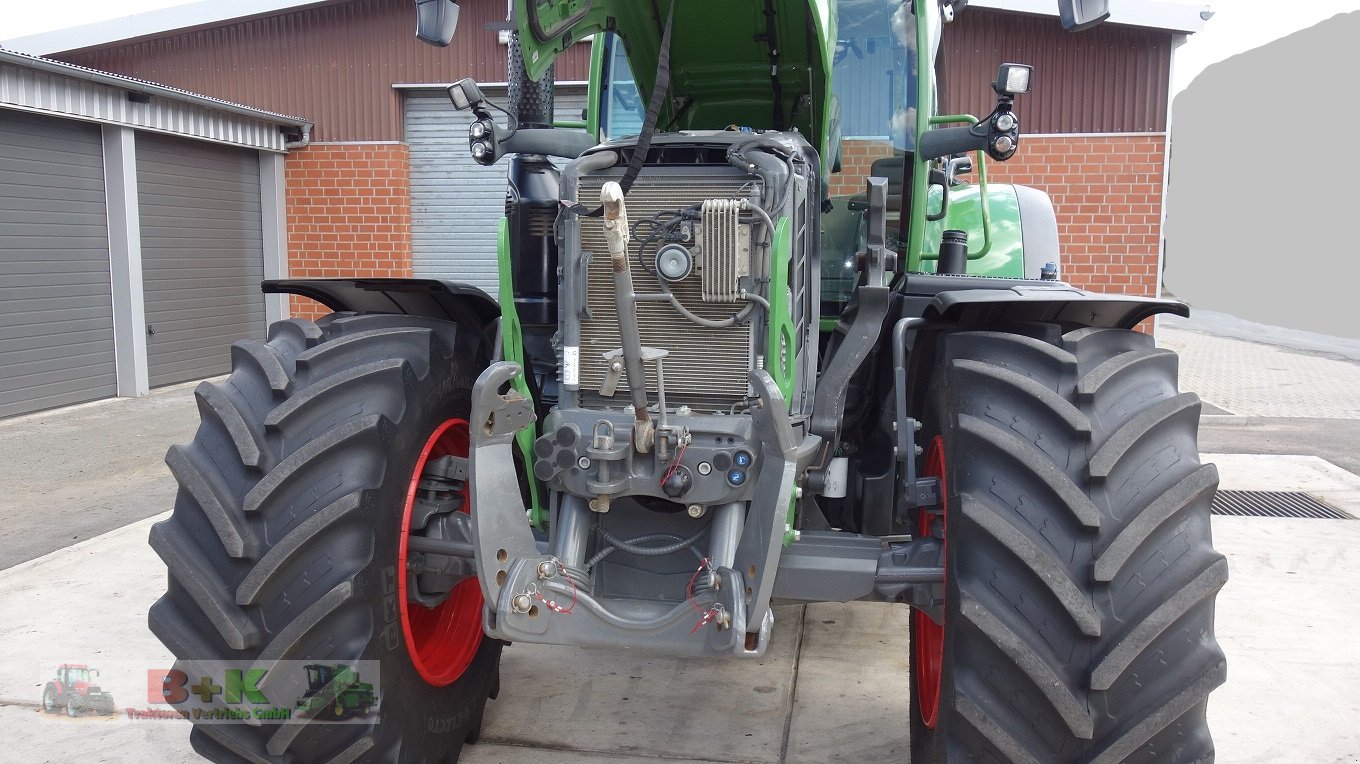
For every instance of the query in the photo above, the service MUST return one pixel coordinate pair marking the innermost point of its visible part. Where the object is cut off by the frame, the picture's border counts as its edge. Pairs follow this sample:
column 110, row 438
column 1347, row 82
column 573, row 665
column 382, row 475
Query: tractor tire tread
column 207, row 488
column 1042, row 395
column 293, row 452
column 1036, row 668
column 1184, row 406
column 289, row 638
column 1082, row 575
column 214, row 402
column 1040, row 565
column 1129, row 364
column 1141, row 636
column 294, row 467
column 293, row 543
column 1007, row 445
column 203, row 585
column 1196, row 487
column 266, row 361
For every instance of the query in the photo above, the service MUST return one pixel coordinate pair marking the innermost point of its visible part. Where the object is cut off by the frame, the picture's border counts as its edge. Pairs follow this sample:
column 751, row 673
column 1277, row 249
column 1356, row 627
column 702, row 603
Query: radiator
column 706, row 368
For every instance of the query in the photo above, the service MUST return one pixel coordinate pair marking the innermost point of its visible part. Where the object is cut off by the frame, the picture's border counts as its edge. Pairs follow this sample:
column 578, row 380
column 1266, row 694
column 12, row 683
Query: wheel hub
column 440, row 599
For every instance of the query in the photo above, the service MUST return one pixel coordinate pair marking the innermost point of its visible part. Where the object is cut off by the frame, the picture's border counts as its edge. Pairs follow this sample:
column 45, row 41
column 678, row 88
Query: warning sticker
column 571, row 365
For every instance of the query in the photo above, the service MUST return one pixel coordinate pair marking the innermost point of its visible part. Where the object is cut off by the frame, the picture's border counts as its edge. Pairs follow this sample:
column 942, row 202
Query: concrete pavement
column 95, row 467
column 832, row 688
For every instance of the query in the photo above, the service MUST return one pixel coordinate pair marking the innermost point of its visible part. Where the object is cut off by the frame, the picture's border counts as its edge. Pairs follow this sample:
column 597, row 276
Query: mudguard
column 430, row 298
column 972, row 301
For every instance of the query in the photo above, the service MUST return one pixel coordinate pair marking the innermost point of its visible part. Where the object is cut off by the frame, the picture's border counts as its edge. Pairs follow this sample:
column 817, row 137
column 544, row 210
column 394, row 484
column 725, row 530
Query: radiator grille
column 706, row 368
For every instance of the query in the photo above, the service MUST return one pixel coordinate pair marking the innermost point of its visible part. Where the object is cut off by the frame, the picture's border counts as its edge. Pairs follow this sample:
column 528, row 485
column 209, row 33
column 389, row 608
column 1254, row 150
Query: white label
column 571, row 365
column 836, row 478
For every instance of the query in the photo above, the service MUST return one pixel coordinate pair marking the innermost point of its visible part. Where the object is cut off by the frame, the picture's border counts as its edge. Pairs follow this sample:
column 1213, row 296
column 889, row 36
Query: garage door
column 56, row 311
column 455, row 202
column 202, row 254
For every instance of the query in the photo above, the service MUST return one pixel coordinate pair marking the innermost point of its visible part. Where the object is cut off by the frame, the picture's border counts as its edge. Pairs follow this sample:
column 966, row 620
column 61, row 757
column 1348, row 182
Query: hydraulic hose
column 616, row 545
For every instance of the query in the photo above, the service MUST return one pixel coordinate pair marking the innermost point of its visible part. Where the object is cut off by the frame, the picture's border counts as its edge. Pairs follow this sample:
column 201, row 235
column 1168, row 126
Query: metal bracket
column 913, row 573
column 916, row 492
column 828, row 408
column 759, row 549
column 878, row 258
column 500, row 532
column 499, row 416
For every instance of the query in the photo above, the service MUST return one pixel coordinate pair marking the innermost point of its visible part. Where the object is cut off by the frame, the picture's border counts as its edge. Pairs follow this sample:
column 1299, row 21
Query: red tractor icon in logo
column 73, row 689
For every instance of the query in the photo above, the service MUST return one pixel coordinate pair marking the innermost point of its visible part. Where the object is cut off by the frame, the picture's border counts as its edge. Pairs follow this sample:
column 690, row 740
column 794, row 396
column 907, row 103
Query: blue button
column 736, row 477
column 742, row 459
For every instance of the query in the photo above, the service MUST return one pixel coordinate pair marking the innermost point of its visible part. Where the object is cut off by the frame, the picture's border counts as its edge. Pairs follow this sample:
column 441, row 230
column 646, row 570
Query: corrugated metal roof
column 41, row 85
column 1183, row 17
column 155, row 21
column 144, row 86
column 1110, row 79
column 335, row 62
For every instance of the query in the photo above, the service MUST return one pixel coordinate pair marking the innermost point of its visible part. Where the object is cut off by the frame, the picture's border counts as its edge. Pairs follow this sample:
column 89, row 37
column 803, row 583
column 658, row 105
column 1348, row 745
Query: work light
column 1012, row 79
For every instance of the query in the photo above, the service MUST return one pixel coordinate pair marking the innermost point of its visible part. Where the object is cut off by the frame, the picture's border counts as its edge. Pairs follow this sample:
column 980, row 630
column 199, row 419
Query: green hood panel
column 721, row 60
column 1004, row 256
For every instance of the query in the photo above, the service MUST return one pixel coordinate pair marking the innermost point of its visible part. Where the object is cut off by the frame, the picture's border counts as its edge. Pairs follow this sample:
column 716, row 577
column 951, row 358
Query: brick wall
column 857, row 158
column 1106, row 191
column 349, row 213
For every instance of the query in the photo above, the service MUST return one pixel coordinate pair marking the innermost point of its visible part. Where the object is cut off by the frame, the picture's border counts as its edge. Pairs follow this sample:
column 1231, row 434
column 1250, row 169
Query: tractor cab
column 74, row 674
column 318, row 676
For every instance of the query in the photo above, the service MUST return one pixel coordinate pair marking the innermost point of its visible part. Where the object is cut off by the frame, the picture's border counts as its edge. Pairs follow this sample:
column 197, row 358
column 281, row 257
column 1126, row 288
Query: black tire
column 1080, row 575
column 72, row 709
column 51, row 703
column 283, row 542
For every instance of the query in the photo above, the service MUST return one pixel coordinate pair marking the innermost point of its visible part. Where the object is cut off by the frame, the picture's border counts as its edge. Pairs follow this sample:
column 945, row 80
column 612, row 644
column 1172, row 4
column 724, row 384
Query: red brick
column 1106, row 191
column 348, row 208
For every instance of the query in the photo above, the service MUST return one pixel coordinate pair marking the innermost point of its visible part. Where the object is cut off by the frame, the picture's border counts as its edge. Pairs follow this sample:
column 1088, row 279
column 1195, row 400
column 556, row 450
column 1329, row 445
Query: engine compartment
column 722, row 249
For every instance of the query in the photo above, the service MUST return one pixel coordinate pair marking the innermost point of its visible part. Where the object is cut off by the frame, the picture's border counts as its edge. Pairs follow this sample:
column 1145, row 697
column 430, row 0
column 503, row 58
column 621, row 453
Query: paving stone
column 1252, row 379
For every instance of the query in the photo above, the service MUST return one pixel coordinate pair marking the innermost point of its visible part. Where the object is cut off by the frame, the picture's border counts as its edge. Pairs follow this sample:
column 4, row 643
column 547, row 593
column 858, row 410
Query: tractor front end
column 717, row 379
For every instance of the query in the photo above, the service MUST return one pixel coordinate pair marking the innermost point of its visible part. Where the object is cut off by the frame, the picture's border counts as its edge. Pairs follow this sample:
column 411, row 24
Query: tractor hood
column 758, row 63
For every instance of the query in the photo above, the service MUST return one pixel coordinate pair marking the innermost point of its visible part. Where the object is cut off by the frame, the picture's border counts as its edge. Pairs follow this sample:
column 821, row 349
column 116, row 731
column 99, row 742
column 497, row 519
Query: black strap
column 644, row 142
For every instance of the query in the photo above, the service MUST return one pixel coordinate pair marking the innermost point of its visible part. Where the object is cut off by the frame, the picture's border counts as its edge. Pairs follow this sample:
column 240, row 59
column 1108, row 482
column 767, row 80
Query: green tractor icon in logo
column 334, row 692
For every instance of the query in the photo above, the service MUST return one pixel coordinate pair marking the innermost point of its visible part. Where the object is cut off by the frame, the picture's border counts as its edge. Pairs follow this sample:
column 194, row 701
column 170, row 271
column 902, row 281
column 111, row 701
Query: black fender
column 430, row 298
column 970, row 301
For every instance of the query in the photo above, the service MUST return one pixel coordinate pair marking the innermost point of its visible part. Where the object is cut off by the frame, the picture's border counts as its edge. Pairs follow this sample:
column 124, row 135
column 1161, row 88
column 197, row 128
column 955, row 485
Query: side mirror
column 1082, row 14
column 435, row 21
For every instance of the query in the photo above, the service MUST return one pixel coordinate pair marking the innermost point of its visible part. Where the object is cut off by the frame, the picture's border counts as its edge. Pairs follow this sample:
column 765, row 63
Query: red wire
column 675, row 465
column 689, row 588
column 573, row 593
column 566, row 610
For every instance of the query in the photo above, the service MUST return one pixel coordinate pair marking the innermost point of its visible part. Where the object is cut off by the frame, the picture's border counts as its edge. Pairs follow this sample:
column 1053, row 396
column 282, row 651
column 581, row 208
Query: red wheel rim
column 927, row 637
column 441, row 640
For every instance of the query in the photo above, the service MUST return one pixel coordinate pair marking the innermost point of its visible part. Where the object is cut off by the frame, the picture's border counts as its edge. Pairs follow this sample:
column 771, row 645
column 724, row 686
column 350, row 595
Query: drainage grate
column 1274, row 504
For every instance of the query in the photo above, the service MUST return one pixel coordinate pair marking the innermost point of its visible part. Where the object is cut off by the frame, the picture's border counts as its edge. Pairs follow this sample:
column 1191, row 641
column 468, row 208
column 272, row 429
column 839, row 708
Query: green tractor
column 334, row 692
column 710, row 386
